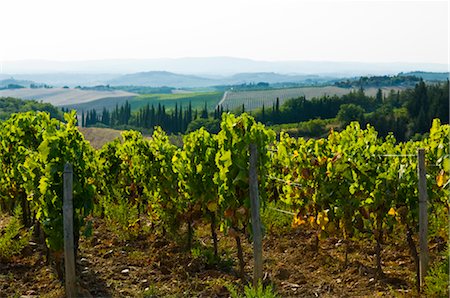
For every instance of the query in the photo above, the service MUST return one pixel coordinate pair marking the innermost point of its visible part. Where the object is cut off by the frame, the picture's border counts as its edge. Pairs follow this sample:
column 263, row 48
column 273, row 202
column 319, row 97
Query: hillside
column 197, row 100
column 63, row 96
column 11, row 81
column 428, row 76
column 97, row 137
column 161, row 78
column 256, row 99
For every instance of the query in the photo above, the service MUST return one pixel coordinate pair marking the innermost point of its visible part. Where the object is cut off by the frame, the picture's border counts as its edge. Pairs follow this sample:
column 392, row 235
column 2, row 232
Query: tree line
column 175, row 120
column 405, row 113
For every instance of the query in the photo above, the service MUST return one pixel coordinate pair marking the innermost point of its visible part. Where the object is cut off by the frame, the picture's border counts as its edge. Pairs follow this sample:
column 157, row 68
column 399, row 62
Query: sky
column 272, row 30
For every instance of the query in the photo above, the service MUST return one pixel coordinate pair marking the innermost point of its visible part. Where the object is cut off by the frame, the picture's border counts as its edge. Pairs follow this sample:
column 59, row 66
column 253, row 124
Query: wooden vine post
column 69, row 253
column 256, row 219
column 423, row 217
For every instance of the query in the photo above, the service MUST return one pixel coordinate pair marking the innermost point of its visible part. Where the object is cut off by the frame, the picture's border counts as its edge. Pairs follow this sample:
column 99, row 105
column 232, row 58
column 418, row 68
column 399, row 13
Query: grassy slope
column 99, row 136
column 63, row 96
column 197, row 100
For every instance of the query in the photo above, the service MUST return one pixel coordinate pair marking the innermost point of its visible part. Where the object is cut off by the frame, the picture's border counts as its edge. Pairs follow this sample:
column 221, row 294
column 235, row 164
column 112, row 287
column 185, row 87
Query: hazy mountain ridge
column 161, row 78
column 202, row 71
column 215, row 66
column 428, row 76
column 12, row 81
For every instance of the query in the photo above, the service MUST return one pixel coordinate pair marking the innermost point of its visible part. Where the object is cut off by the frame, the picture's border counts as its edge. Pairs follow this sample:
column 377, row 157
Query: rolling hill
column 197, row 100
column 256, row 99
column 63, row 96
column 161, row 78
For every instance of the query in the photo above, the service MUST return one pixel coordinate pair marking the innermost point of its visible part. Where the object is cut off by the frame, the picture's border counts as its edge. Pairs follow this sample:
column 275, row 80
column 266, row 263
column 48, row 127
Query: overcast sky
column 370, row 31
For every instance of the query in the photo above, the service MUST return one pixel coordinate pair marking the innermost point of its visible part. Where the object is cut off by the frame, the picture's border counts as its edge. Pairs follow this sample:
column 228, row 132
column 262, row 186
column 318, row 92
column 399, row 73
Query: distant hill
column 379, row 82
column 272, row 78
column 428, row 76
column 11, row 81
column 164, row 78
column 63, row 96
column 58, row 79
column 223, row 66
column 161, row 78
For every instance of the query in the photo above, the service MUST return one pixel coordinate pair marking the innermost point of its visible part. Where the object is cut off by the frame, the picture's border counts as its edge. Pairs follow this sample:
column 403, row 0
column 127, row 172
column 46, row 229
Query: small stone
column 108, row 253
column 83, row 261
column 144, row 281
column 338, row 280
column 125, row 271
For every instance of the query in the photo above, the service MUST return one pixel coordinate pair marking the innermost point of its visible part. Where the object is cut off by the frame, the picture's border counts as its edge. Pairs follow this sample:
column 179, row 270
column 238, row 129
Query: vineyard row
column 350, row 184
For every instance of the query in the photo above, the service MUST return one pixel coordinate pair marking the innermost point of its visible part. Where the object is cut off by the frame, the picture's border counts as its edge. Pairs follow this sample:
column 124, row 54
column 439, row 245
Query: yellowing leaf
column 212, row 206
column 295, row 153
column 199, row 168
column 391, row 212
column 322, row 220
column 440, row 179
column 297, row 221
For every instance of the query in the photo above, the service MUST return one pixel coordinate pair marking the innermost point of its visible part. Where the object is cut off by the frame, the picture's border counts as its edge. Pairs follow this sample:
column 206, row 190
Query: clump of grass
column 206, row 255
column 123, row 219
column 253, row 292
column 13, row 237
column 437, row 281
column 275, row 221
column 150, row 292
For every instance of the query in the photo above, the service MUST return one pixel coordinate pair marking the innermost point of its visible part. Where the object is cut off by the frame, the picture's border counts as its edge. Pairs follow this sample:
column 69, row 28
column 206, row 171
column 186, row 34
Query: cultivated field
column 63, row 96
column 197, row 100
column 256, row 99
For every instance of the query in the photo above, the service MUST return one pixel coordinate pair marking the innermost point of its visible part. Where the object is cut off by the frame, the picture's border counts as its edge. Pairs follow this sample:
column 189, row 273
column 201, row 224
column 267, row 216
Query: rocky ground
column 149, row 265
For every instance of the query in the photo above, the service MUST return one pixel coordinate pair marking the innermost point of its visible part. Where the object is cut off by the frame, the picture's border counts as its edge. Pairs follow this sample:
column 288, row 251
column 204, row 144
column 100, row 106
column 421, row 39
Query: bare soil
column 150, row 265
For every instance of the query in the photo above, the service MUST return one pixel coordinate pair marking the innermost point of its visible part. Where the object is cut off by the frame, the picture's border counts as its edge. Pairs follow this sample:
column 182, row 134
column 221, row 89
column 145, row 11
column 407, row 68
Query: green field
column 197, row 100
